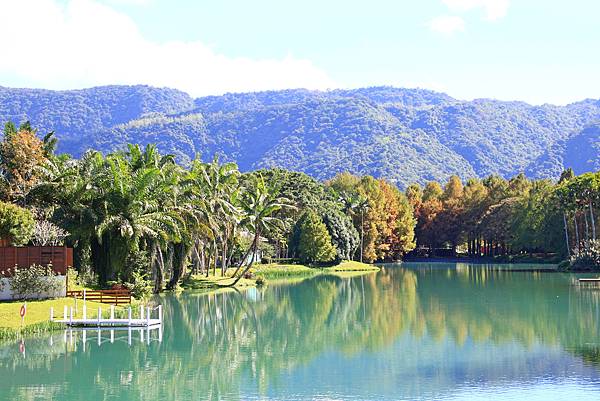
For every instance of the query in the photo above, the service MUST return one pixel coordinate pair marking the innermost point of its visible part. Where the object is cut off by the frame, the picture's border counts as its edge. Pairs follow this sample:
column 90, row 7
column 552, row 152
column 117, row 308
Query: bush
column 140, row 287
column 31, row 282
column 46, row 233
column 16, row 223
column 588, row 258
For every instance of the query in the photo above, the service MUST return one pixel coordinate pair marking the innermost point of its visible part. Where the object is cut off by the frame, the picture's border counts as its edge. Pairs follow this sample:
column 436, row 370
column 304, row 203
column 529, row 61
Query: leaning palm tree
column 259, row 204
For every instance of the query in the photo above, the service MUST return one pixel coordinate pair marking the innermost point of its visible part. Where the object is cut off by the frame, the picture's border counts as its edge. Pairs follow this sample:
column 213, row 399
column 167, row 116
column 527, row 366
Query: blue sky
column 532, row 50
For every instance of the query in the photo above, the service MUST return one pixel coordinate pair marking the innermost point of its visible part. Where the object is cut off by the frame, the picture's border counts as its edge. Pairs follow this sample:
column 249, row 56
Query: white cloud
column 494, row 9
column 447, row 24
column 84, row 43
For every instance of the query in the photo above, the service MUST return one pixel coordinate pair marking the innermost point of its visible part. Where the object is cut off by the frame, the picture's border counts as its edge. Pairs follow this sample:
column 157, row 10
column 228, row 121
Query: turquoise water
column 410, row 332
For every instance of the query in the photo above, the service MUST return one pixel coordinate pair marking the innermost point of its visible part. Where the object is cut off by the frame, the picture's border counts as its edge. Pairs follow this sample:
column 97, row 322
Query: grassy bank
column 275, row 271
column 37, row 319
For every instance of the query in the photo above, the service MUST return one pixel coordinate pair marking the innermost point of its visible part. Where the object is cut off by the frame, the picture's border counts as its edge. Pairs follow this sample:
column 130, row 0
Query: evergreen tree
column 314, row 240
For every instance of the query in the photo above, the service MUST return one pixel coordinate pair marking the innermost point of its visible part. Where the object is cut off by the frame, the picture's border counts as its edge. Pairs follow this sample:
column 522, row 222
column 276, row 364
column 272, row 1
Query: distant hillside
column 406, row 135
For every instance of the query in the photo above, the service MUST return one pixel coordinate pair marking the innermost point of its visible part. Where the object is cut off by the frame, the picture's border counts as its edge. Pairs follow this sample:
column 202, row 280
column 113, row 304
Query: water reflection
column 416, row 331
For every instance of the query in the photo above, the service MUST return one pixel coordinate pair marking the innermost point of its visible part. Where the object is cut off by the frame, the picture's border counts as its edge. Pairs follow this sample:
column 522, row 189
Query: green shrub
column 16, row 223
column 31, row 282
column 588, row 258
column 139, row 286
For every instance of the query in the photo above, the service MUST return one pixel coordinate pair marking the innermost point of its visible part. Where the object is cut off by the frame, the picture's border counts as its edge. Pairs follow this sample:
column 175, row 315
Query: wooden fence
column 114, row 297
column 60, row 257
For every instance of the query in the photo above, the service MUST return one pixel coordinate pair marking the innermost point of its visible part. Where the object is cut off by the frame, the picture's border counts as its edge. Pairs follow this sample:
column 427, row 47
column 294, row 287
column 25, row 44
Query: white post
column 142, row 312
column 99, row 337
column 160, row 314
column 71, row 316
column 129, row 318
column 65, row 313
column 148, row 335
column 71, row 336
column 84, row 312
column 148, row 316
column 112, row 336
column 112, row 312
column 160, row 329
column 84, row 339
column 129, row 330
column 99, row 315
column 142, row 335
column 51, row 314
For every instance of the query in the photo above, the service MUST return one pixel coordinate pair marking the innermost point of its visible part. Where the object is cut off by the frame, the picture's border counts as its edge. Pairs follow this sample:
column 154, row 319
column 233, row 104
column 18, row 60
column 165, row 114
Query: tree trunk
column 587, row 231
column 593, row 222
column 362, row 234
column 242, row 261
column 156, row 261
column 255, row 249
column 215, row 257
column 576, row 232
column 224, row 257
column 566, row 234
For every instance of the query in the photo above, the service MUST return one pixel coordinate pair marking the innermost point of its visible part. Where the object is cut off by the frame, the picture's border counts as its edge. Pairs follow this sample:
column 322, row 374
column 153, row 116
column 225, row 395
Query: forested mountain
column 406, row 135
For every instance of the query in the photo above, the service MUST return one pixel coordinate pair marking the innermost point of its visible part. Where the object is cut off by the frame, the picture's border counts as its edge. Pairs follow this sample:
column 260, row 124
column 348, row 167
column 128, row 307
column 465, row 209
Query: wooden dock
column 145, row 318
column 589, row 280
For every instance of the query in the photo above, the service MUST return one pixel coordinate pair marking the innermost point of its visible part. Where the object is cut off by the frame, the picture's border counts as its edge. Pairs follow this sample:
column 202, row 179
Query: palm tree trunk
column 255, row 249
column 242, row 261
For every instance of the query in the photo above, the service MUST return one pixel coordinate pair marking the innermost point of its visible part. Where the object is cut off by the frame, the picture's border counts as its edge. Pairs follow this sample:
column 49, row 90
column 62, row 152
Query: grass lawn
column 273, row 270
column 352, row 266
column 201, row 282
column 37, row 319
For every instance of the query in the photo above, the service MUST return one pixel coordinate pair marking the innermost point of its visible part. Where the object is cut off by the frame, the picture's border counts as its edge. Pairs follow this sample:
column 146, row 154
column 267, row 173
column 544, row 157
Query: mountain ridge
column 405, row 135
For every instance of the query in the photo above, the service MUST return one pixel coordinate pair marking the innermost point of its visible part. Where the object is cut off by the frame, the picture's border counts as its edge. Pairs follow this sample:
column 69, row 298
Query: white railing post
column 52, row 313
column 65, row 314
column 84, row 306
column 99, row 315
column 129, row 318
column 142, row 312
column 148, row 316
column 71, row 316
column 160, row 314
column 129, row 331
column 99, row 337
column 112, row 312
column 84, row 339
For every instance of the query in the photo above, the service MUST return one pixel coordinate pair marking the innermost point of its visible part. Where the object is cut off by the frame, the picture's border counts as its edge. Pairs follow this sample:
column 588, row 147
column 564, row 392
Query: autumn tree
column 21, row 155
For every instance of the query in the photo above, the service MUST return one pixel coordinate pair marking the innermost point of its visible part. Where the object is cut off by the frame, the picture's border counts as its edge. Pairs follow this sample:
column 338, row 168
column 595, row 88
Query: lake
column 414, row 331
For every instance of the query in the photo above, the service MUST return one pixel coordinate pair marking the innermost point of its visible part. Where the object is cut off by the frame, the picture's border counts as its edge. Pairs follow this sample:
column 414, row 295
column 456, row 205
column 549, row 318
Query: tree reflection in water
column 235, row 345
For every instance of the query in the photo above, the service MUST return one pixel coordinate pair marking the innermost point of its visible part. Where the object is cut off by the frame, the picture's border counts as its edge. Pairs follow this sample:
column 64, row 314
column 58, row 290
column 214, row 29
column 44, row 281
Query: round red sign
column 22, row 311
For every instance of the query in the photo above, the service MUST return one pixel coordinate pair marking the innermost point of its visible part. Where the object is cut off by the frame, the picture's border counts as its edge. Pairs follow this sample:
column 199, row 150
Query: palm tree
column 259, row 204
